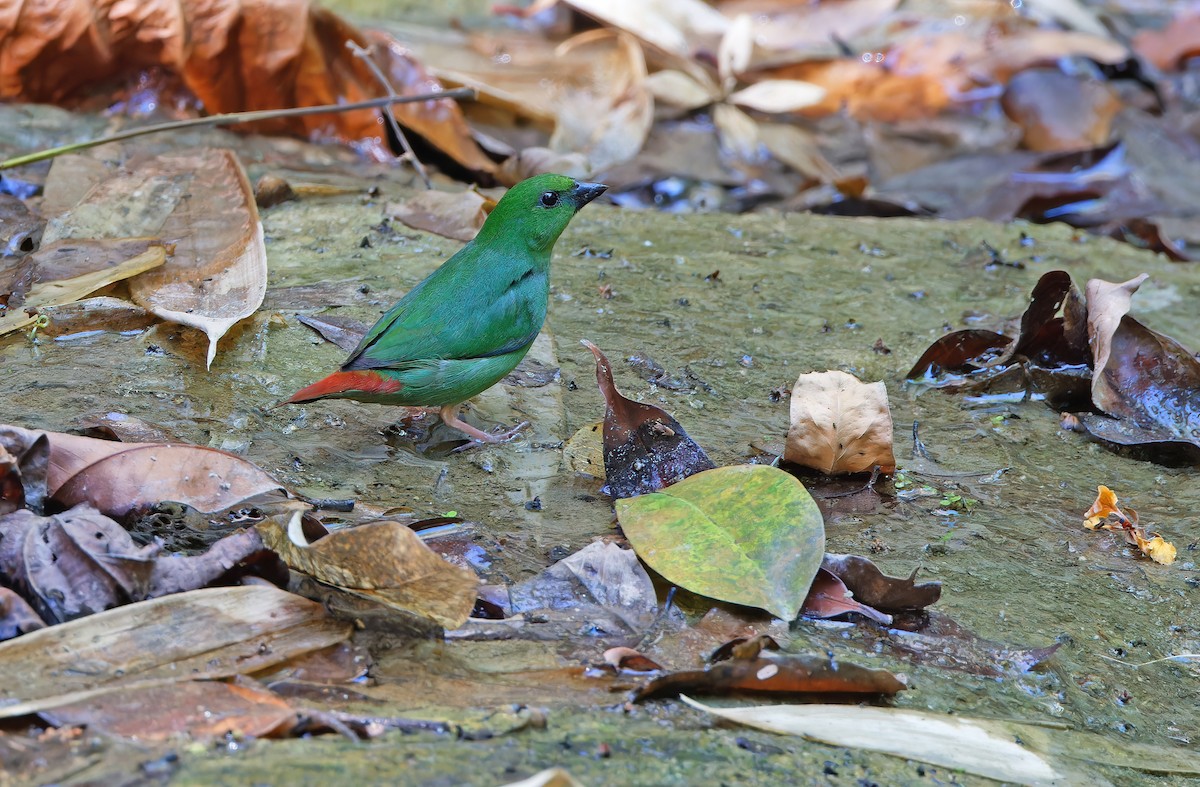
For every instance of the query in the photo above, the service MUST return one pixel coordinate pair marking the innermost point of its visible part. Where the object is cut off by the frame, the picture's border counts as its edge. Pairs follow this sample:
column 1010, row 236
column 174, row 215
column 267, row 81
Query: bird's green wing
column 482, row 302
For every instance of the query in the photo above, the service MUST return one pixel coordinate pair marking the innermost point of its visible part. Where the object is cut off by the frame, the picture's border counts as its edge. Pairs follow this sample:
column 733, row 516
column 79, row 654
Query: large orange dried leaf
column 252, row 54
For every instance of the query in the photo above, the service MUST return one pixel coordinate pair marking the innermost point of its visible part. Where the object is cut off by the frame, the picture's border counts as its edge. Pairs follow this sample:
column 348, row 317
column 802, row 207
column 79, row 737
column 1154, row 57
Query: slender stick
column 364, row 54
column 235, row 117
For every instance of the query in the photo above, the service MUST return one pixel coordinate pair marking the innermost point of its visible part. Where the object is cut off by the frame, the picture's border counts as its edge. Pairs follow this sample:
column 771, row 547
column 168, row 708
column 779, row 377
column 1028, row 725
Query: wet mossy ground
column 794, row 293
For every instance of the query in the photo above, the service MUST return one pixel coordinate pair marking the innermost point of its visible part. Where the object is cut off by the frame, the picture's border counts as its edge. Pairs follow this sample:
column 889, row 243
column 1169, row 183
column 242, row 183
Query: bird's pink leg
column 450, row 418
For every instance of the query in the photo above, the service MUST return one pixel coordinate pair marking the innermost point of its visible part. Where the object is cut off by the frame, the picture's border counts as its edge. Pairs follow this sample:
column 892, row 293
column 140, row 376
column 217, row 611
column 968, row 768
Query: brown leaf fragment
column 1058, row 111
column 12, row 492
column 17, row 275
column 829, row 597
column 236, row 551
column 874, row 588
column 457, row 215
column 1147, row 382
column 840, row 424
column 782, row 675
column 16, row 616
column 1171, row 46
column 203, row 478
column 343, row 331
column 218, row 274
column 118, row 478
column 102, row 313
column 73, row 564
column 629, row 660
column 645, row 449
column 385, row 562
column 120, row 427
column 961, row 352
column 203, row 634
column 198, row 710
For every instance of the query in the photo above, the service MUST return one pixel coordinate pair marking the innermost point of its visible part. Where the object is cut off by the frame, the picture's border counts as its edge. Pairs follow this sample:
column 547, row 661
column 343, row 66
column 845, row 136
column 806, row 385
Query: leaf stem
column 234, row 117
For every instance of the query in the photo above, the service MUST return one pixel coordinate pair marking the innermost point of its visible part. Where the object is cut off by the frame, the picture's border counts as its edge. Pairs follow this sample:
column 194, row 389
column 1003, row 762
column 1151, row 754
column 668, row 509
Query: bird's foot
column 450, row 418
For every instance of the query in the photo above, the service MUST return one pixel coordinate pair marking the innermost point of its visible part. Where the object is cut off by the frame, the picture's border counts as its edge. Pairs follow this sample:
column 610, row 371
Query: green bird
column 470, row 322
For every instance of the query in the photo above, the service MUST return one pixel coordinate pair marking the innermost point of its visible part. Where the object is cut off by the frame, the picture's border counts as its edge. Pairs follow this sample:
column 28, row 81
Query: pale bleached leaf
column 681, row 90
column 984, row 748
column 839, row 424
column 775, row 96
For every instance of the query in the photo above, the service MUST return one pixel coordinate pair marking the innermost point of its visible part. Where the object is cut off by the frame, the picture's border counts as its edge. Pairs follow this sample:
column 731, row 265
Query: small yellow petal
column 1160, row 551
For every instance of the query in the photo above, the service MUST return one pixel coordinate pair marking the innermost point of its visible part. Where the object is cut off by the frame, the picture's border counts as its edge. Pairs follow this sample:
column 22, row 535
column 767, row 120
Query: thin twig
column 1155, row 661
column 234, row 117
column 364, row 54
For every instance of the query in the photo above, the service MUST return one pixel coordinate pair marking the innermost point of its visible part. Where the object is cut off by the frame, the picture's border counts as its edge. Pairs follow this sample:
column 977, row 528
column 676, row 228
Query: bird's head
column 537, row 210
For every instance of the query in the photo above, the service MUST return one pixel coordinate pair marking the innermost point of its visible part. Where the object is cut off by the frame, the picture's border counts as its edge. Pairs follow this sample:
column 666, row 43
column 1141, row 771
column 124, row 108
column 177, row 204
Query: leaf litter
column 731, row 63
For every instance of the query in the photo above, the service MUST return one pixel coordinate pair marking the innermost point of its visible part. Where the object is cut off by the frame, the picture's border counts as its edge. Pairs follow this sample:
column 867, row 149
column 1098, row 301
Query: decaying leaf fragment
column 383, row 561
column 645, row 449
column 871, row 586
column 1105, row 514
column 829, row 597
column 840, row 424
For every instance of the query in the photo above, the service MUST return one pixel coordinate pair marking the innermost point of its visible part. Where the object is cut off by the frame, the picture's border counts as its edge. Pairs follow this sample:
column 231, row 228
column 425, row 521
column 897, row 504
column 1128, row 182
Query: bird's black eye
column 549, row 199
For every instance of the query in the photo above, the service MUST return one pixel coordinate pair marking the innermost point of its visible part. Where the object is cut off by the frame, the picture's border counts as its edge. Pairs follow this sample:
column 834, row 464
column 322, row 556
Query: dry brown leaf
column 1060, row 112
column 56, row 293
column 798, row 148
column 201, row 202
column 204, row 634
column 927, row 72
column 735, row 51
column 457, row 215
column 218, row 274
column 102, row 313
column 840, row 424
column 254, row 54
column 119, row 477
column 200, row 710
column 790, row 32
column 1170, row 47
column 385, row 562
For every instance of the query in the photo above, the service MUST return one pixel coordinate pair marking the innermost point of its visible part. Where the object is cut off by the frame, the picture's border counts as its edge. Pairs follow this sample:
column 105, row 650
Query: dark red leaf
column 645, row 449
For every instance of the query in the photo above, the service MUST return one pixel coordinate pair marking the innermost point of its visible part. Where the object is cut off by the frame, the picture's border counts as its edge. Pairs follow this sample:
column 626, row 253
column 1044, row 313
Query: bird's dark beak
column 583, row 193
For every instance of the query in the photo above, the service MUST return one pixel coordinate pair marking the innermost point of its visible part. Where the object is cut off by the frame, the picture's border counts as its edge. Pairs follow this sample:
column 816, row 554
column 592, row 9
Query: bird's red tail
column 342, row 382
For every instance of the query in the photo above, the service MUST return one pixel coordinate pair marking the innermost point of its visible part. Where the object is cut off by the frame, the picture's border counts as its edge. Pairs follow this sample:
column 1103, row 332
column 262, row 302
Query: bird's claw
column 491, row 437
